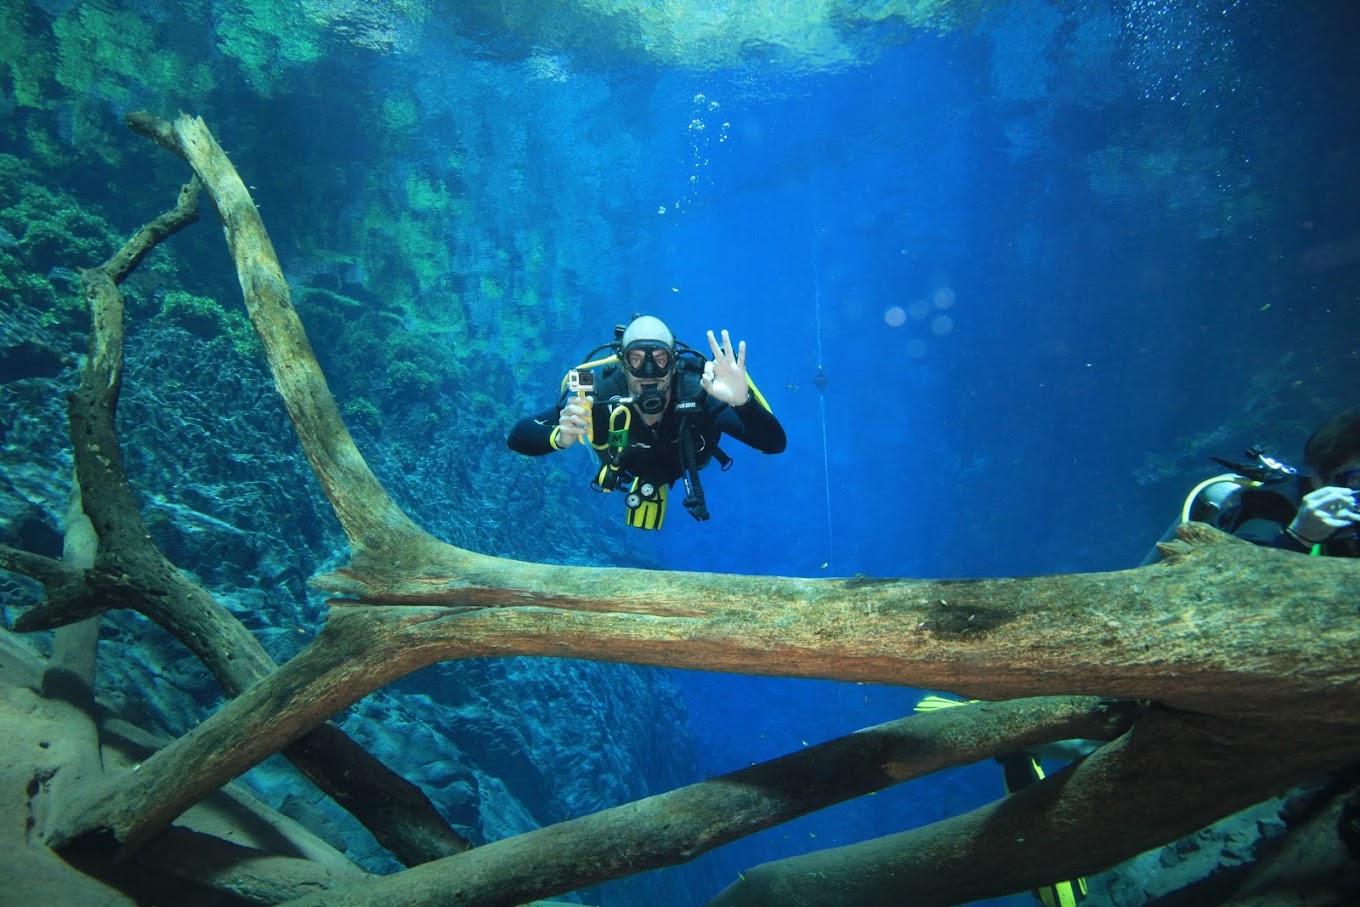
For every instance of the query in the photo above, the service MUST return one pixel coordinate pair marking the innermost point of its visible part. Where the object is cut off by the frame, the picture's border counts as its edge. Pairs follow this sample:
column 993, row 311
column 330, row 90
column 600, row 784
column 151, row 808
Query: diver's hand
column 1323, row 512
column 725, row 374
column 571, row 424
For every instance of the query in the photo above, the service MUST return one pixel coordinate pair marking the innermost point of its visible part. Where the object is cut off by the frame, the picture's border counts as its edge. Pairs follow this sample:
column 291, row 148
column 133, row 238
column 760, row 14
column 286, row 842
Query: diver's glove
column 572, row 424
column 1322, row 513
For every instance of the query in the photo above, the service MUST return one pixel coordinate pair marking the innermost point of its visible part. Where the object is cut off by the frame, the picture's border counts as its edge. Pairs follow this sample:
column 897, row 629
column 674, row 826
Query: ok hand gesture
column 725, row 374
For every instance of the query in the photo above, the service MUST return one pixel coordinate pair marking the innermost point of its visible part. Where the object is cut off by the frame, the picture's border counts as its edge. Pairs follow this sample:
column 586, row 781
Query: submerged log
column 1171, row 775
column 1251, row 656
column 680, row 825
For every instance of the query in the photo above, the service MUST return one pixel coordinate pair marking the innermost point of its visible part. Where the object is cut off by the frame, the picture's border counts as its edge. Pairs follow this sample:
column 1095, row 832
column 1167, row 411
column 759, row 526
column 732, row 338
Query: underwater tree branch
column 374, row 524
column 1224, row 642
column 1172, row 774
column 682, row 824
column 50, row 572
column 129, row 571
column 70, row 673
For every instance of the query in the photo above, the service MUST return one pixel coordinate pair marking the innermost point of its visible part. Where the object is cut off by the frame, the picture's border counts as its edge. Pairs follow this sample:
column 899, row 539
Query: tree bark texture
column 1298, row 667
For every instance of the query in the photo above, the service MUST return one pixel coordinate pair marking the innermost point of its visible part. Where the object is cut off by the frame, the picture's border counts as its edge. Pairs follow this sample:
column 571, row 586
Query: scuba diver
column 1271, row 504
column 655, row 417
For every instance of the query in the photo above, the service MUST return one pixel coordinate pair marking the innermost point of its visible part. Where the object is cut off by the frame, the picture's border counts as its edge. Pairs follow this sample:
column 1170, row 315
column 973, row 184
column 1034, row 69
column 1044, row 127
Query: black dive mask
column 648, row 359
column 650, row 400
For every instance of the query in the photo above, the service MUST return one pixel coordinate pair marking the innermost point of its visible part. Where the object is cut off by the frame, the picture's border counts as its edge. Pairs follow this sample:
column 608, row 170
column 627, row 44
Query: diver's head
column 1332, row 454
column 647, row 351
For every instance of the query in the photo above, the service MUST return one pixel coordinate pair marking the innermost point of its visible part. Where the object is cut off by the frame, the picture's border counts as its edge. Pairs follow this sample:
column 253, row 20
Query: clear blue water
column 1049, row 264
column 1049, row 258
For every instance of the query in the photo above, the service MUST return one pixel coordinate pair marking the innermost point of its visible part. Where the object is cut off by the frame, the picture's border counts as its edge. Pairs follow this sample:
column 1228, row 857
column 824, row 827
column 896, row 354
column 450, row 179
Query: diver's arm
column 532, row 435
column 743, row 417
column 555, row 429
column 1269, row 534
column 753, row 424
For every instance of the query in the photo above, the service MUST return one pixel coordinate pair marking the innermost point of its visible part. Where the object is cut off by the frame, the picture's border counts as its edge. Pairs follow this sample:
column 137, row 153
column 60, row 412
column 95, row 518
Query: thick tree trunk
column 1296, row 668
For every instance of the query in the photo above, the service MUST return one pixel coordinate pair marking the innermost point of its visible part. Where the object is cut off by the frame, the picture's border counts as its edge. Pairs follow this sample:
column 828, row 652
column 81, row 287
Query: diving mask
column 648, row 359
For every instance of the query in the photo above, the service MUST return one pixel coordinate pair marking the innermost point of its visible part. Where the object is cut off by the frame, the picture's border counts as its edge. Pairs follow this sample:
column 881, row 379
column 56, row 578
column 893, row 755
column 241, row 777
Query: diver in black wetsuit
column 1314, row 513
column 655, row 417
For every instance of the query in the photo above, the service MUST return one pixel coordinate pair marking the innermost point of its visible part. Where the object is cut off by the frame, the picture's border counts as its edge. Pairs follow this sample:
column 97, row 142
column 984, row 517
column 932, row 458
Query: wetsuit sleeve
column 532, row 435
column 1260, row 517
column 754, row 425
column 1269, row 534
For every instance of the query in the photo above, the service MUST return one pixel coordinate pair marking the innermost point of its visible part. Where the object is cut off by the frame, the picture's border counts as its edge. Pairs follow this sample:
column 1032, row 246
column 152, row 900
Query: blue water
column 1049, row 257
column 1049, row 264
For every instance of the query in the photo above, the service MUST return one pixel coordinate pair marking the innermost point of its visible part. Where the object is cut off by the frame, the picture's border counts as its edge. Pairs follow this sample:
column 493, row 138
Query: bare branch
column 130, row 572
column 45, row 570
column 374, row 524
column 678, row 826
column 1173, row 774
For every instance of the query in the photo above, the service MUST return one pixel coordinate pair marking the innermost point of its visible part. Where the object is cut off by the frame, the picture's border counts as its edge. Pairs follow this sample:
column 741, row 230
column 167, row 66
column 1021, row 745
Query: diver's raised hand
column 725, row 374
column 1322, row 512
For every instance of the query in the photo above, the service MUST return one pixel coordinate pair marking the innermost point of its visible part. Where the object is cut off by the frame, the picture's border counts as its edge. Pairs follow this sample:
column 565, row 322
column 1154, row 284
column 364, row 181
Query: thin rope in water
column 821, row 407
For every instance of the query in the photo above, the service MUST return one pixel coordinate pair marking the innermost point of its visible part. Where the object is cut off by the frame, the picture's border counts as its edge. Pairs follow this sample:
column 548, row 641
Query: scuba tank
column 1205, row 501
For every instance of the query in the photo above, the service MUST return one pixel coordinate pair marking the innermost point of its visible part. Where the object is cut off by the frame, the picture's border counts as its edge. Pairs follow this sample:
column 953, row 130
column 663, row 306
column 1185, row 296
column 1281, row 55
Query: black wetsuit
column 653, row 453
column 1260, row 515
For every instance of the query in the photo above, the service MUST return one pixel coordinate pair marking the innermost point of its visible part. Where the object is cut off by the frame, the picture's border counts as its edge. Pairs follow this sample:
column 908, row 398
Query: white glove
column 1323, row 512
column 573, row 422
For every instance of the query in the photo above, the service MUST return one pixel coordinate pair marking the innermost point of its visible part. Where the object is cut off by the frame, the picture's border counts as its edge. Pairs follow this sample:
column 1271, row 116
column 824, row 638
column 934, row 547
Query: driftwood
column 130, row 572
column 1249, row 655
column 680, row 825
